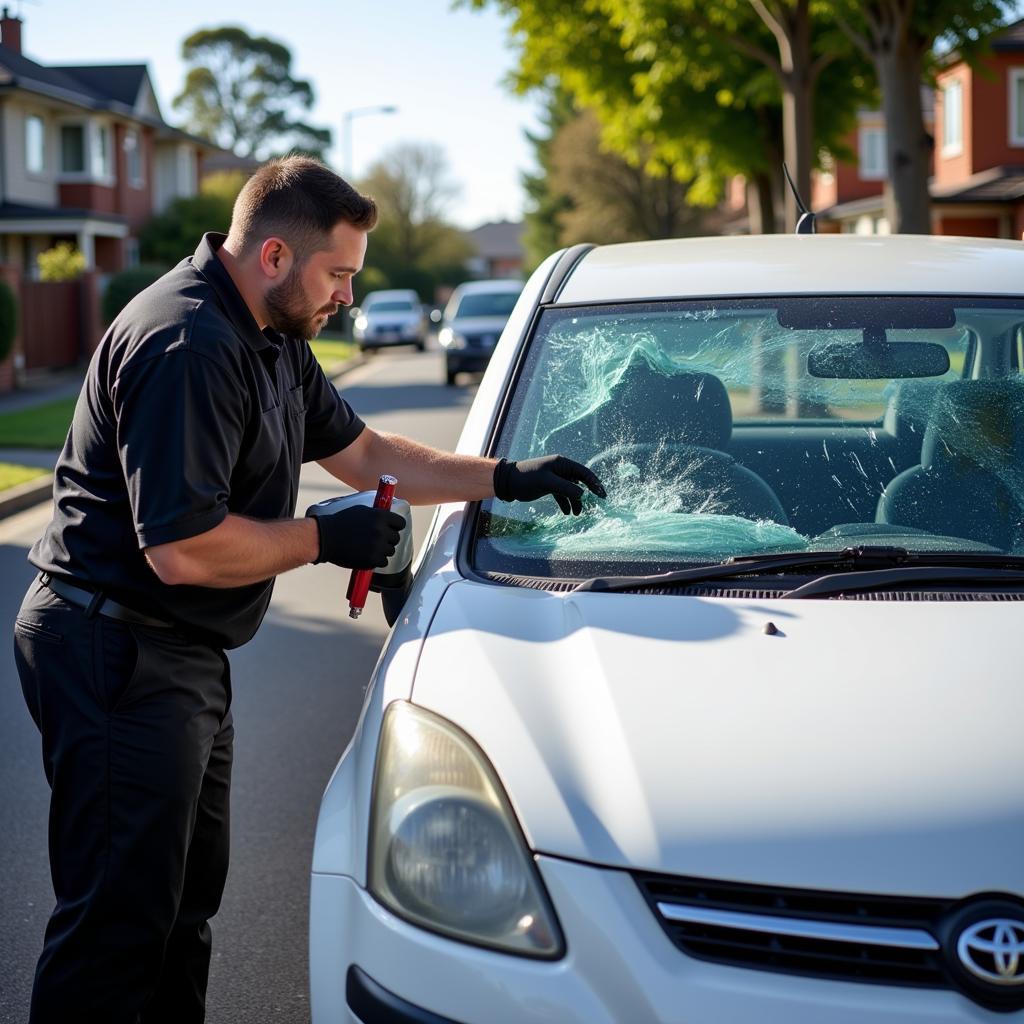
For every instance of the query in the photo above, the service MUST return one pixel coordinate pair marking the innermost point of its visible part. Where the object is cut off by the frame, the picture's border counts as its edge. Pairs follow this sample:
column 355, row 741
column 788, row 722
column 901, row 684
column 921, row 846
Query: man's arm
column 236, row 552
column 427, row 476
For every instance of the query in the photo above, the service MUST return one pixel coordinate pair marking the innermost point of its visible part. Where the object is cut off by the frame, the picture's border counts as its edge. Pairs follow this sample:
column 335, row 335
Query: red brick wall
column 134, row 203
column 83, row 196
column 951, row 169
column 990, row 112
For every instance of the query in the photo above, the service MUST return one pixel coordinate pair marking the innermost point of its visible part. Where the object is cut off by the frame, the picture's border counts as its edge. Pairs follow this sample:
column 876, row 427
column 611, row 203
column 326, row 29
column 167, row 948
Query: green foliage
column 41, row 426
column 239, row 93
column 413, row 245
column 684, row 87
column 63, row 262
column 174, row 234
column 8, row 319
column 123, row 287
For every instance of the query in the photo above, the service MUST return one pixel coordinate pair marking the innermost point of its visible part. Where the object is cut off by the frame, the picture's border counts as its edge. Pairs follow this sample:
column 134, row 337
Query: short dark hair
column 300, row 200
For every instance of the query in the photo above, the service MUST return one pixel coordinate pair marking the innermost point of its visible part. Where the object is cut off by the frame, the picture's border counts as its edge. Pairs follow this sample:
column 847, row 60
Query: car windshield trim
column 849, row 560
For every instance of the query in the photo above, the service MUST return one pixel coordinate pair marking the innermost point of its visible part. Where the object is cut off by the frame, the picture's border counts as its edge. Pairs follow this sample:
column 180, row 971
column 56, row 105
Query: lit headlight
column 361, row 323
column 446, row 851
column 450, row 339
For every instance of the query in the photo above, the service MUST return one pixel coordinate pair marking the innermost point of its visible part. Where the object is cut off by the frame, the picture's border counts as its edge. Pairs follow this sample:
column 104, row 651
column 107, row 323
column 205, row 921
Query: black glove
column 550, row 474
column 359, row 537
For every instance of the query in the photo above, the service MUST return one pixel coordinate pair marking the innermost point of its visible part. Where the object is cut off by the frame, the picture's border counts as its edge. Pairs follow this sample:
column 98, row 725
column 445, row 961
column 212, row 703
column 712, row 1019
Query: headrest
column 910, row 406
column 976, row 421
column 680, row 408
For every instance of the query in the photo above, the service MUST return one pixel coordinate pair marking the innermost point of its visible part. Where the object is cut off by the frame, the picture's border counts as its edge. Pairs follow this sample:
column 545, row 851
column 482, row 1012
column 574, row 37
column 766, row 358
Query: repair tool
column 359, row 583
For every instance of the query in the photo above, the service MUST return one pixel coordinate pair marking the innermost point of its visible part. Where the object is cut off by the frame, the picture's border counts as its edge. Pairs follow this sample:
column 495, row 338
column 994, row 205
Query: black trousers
column 137, row 741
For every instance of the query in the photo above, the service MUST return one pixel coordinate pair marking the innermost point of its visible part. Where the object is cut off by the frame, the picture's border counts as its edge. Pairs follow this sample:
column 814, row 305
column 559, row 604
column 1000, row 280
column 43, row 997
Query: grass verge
column 330, row 352
column 45, row 426
column 12, row 475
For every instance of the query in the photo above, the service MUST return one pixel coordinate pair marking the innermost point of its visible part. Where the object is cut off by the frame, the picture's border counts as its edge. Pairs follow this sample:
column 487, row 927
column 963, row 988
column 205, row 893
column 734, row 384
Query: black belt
column 95, row 602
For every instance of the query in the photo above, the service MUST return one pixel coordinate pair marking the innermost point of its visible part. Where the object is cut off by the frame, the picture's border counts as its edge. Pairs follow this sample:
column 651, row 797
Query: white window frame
column 39, row 171
column 1015, row 77
column 952, row 148
column 865, row 171
column 135, row 180
column 92, row 173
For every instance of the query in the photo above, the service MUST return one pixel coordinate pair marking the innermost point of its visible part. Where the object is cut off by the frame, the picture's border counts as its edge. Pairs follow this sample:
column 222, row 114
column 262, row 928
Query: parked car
column 391, row 317
column 741, row 742
column 473, row 321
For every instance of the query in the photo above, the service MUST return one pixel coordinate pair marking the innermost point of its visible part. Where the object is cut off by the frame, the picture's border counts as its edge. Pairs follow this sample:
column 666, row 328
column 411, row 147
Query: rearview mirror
column 880, row 360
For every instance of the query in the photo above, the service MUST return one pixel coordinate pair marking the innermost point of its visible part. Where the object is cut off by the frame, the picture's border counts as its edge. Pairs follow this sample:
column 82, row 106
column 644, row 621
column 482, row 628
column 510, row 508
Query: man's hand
column 550, row 474
column 359, row 537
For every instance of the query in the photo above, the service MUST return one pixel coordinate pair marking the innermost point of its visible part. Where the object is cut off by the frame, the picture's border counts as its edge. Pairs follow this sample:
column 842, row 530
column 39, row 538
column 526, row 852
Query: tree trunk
column 761, row 204
column 797, row 129
column 909, row 147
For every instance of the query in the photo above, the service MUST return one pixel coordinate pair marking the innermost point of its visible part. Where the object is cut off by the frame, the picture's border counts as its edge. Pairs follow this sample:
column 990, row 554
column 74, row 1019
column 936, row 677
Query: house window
column 953, row 118
column 101, row 151
column 873, row 160
column 133, row 158
column 35, row 144
column 72, row 148
column 1017, row 107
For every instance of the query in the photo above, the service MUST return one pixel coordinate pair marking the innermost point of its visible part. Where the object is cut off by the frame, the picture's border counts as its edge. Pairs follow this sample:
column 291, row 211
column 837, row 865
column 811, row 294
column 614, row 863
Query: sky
column 442, row 68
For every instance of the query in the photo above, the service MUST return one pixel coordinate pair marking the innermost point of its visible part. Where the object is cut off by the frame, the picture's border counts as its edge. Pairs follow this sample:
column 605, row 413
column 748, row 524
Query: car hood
column 872, row 746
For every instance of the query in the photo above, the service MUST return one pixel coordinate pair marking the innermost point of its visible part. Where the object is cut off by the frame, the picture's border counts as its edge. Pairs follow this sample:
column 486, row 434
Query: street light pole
column 346, row 131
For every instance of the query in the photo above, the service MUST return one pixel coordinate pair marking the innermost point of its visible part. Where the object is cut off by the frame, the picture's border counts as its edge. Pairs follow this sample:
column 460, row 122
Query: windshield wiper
column 910, row 575
column 864, row 557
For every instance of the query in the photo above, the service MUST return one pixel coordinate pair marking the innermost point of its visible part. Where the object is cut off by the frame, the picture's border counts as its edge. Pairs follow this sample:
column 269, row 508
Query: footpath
column 52, row 388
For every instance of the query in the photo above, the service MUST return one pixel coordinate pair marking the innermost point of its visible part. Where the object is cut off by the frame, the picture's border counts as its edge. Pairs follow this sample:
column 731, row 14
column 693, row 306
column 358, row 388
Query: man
column 174, row 497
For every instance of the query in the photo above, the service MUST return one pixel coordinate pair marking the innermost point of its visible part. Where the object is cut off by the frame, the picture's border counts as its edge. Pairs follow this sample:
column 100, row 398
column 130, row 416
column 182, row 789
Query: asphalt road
column 298, row 688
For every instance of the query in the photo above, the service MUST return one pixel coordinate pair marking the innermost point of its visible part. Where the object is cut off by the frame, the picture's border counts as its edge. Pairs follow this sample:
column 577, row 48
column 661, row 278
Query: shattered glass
column 713, row 437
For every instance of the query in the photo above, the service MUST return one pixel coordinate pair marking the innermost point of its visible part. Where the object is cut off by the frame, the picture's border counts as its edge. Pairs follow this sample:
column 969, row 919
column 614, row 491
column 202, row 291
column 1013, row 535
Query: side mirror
column 394, row 580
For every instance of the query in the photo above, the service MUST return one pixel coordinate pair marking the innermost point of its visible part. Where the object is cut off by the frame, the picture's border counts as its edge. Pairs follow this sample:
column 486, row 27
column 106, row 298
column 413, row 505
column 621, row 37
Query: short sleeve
column 180, row 423
column 331, row 424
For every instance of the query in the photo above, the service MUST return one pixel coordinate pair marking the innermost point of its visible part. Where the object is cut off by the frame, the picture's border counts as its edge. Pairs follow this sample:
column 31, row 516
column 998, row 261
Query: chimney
column 10, row 31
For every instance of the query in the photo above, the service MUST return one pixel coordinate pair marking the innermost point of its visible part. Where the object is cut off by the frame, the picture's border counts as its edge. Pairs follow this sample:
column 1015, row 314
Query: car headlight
column 361, row 323
column 446, row 851
column 450, row 339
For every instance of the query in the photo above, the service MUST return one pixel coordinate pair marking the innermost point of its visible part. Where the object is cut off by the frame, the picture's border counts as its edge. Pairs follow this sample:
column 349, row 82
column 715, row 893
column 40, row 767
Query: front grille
column 846, row 936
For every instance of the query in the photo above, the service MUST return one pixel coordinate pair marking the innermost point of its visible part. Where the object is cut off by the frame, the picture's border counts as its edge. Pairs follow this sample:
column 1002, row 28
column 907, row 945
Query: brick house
column 85, row 156
column 977, row 183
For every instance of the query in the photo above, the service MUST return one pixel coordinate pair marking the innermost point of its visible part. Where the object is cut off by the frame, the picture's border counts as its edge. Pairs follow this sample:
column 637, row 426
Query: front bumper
column 467, row 360
column 619, row 967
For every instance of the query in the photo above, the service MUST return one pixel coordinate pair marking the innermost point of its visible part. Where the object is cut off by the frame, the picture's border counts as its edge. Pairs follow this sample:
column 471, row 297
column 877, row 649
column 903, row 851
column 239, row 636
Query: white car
column 473, row 320
column 744, row 742
column 392, row 316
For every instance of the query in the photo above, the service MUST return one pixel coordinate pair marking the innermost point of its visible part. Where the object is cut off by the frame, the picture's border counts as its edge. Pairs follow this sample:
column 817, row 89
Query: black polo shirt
column 188, row 412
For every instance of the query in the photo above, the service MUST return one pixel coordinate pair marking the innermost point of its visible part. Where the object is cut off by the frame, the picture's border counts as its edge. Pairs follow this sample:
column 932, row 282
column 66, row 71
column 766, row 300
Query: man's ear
column 276, row 258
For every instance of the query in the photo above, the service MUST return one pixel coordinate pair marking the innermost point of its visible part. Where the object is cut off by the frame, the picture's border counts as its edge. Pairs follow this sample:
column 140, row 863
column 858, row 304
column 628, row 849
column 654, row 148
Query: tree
column 901, row 38
column 699, row 88
column 414, row 245
column 542, row 233
column 607, row 199
column 174, row 234
column 240, row 94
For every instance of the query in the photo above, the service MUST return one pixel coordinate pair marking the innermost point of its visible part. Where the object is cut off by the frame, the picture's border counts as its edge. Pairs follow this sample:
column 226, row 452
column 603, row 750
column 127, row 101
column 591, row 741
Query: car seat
column 970, row 481
column 672, row 427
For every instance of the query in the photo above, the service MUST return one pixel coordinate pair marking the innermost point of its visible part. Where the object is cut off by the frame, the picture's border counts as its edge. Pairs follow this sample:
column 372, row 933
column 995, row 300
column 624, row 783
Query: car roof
column 797, row 265
column 502, row 284
column 393, row 293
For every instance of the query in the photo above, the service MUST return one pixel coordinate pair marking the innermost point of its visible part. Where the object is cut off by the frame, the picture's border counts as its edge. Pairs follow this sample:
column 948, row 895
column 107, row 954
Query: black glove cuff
column 502, row 473
column 320, row 540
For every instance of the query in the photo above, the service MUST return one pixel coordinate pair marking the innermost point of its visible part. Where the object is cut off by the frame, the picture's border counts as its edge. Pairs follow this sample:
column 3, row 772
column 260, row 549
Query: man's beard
column 288, row 310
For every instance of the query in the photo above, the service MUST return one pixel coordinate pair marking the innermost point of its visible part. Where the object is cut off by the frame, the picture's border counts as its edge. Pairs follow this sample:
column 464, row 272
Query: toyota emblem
column 993, row 950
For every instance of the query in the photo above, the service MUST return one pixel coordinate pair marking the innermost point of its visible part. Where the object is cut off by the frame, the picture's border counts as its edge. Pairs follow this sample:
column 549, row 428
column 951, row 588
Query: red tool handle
column 359, row 582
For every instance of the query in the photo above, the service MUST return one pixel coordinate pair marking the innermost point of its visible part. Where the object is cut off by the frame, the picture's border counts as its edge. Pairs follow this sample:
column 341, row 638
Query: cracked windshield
column 755, row 426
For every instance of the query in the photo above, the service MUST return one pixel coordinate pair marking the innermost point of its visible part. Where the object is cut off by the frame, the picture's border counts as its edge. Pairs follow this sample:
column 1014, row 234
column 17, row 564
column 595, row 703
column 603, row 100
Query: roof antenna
column 806, row 224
